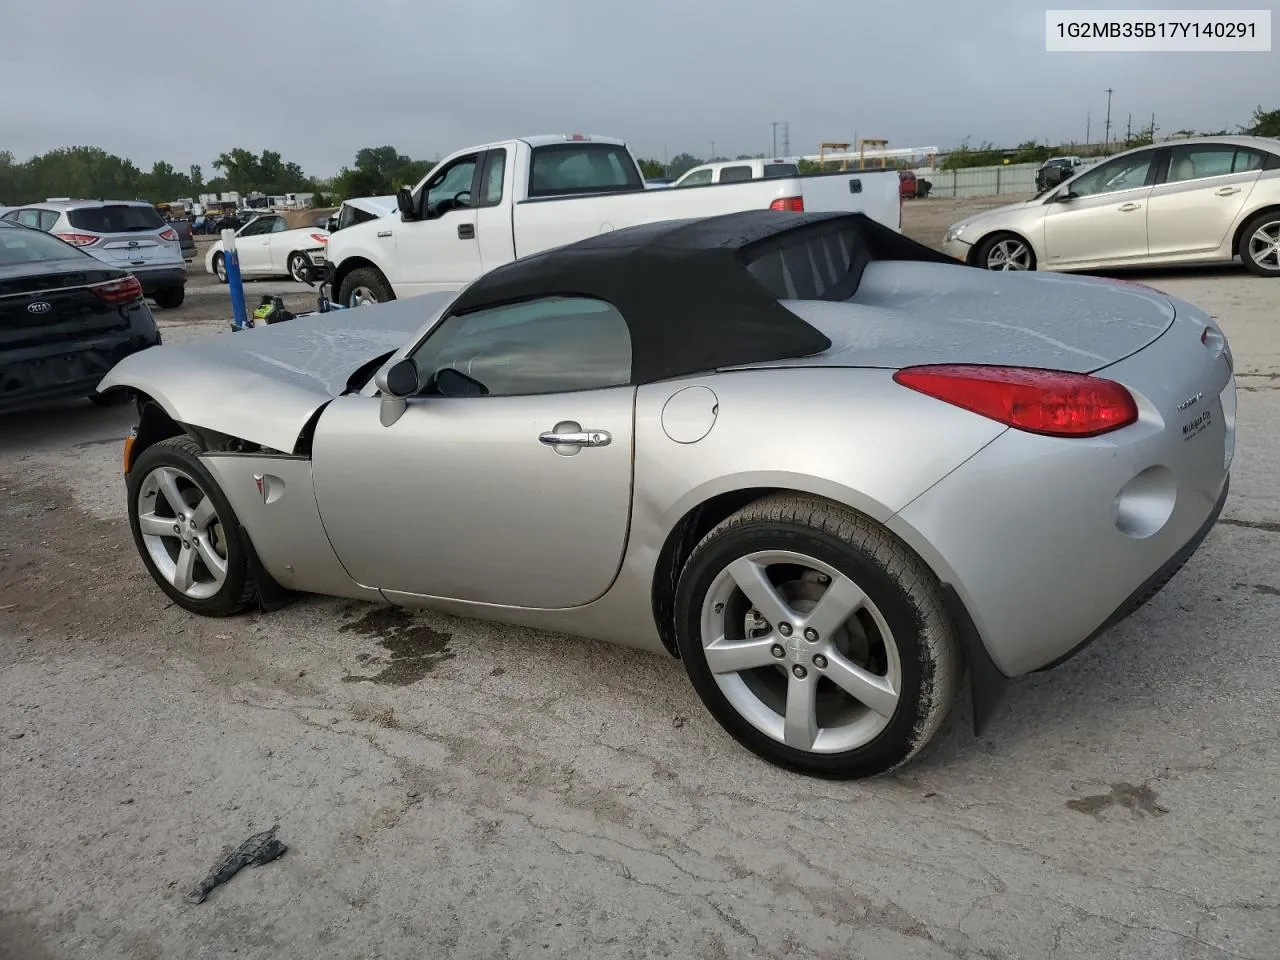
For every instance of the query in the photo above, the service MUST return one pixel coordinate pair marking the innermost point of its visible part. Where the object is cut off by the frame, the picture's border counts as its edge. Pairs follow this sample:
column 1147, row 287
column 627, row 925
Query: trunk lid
column 906, row 313
column 51, row 302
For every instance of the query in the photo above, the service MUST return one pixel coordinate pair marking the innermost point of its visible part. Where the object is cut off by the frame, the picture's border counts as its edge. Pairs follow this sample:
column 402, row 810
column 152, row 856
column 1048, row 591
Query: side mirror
column 1065, row 197
column 396, row 383
column 404, row 201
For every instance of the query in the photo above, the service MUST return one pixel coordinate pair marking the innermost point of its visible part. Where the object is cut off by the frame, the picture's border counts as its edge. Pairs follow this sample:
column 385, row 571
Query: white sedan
column 275, row 245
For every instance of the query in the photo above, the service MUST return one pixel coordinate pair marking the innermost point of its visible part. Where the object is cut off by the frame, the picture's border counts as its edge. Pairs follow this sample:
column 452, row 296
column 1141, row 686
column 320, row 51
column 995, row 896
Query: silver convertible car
column 828, row 468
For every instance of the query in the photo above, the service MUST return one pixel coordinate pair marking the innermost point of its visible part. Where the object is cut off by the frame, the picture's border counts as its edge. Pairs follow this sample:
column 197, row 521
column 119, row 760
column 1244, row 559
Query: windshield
column 582, row 168
column 772, row 170
column 26, row 245
column 116, row 218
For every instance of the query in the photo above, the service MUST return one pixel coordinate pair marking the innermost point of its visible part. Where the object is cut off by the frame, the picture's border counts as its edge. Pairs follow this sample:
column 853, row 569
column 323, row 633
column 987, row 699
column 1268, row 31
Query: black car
column 65, row 319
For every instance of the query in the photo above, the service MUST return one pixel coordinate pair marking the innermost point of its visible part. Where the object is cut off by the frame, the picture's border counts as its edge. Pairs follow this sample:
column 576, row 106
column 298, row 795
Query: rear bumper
column 31, row 376
column 160, row 278
column 1048, row 543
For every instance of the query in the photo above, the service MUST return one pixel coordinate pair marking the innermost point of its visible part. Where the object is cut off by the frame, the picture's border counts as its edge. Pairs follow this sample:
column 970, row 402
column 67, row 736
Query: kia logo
column 39, row 307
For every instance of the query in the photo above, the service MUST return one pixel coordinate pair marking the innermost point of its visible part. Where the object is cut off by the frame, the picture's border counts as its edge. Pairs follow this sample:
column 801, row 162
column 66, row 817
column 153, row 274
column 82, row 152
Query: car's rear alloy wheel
column 816, row 638
column 1004, row 251
column 186, row 531
column 1260, row 245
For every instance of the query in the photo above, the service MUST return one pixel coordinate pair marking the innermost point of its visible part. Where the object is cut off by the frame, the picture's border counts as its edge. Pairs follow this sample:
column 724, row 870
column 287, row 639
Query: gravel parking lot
column 451, row 788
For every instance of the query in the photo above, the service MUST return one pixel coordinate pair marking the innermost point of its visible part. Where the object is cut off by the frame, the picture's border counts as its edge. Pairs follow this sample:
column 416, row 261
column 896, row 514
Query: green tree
column 378, row 171
column 1266, row 123
column 681, row 164
column 196, row 176
column 651, row 169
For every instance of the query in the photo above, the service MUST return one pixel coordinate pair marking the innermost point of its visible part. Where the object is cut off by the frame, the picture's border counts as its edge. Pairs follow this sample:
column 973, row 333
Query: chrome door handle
column 1226, row 191
column 1126, row 207
column 581, row 438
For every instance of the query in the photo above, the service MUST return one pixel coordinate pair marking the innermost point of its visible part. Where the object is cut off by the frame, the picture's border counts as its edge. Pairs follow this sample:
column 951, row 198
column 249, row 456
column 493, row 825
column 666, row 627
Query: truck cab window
column 453, row 188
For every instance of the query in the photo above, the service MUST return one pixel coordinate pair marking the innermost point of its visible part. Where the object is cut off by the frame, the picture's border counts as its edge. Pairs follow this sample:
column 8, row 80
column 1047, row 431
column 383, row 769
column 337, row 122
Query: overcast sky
column 182, row 80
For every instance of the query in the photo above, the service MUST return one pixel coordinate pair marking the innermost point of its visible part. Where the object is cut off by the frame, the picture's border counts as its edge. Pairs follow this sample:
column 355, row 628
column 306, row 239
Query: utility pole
column 1108, row 124
column 713, row 151
column 1128, row 130
column 1153, row 127
column 786, row 138
column 774, row 124
column 1088, row 117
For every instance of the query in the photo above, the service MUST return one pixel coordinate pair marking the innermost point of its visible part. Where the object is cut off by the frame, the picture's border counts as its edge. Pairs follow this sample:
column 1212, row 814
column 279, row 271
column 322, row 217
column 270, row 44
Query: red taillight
column 78, row 239
column 125, row 290
column 169, row 234
column 320, row 237
column 1048, row 402
column 794, row 204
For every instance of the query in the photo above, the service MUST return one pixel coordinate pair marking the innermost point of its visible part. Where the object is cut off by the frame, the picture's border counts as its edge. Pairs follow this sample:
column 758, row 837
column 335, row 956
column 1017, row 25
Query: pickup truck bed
column 488, row 205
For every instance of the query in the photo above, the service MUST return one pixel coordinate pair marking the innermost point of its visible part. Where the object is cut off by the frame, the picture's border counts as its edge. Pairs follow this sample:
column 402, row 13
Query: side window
column 29, row 218
column 451, row 189
column 279, row 225
column 1247, row 160
column 12, row 215
column 550, row 345
column 1122, row 173
column 495, row 166
column 733, row 174
column 697, row 179
column 47, row 219
column 1196, row 162
column 256, row 227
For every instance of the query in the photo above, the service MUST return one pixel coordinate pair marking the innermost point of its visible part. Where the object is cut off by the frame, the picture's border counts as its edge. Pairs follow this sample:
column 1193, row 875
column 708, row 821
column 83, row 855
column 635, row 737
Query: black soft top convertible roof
column 703, row 294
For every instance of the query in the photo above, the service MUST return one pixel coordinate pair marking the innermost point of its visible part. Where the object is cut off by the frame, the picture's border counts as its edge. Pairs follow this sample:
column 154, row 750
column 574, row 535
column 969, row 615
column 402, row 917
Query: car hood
column 264, row 384
column 994, row 213
column 907, row 313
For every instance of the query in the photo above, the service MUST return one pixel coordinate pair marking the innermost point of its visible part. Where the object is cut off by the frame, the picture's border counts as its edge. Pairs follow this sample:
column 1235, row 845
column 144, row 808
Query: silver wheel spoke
column 734, row 656
column 875, row 692
column 152, row 526
column 837, row 605
column 751, row 580
column 203, row 513
column 168, row 485
column 800, row 728
column 184, row 571
column 215, row 564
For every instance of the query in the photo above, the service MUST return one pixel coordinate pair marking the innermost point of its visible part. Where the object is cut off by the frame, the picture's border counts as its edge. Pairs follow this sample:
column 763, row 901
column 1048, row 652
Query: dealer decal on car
column 1189, row 430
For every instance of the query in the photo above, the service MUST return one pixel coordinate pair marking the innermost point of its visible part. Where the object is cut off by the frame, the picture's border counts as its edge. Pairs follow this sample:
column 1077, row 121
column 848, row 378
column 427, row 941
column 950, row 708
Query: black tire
column 220, row 267
column 238, row 588
column 296, row 262
column 170, row 298
column 982, row 252
column 890, row 575
column 1269, row 219
column 371, row 279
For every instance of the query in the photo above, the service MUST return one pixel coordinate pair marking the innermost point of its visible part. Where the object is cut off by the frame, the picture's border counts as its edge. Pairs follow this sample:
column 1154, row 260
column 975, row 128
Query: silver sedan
column 1186, row 201
column 826, row 467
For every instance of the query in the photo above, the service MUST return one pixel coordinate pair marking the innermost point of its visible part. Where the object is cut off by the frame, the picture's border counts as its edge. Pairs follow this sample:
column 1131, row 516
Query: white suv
column 129, row 234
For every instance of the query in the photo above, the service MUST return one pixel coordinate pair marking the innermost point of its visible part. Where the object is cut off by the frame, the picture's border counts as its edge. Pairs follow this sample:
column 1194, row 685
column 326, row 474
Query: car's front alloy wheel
column 1005, row 251
column 816, row 638
column 186, row 532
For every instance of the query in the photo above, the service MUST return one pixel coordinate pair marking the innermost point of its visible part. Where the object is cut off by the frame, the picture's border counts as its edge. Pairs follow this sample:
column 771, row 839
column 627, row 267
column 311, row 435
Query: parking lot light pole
column 235, row 285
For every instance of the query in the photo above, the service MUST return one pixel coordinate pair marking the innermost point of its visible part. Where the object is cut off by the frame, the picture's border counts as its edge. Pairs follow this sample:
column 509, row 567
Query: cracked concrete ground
column 452, row 788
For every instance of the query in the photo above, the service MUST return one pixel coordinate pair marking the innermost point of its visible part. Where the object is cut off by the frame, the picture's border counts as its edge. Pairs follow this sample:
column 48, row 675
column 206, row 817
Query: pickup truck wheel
column 186, row 532
column 816, row 638
column 220, row 267
column 1260, row 244
column 363, row 286
column 170, row 298
column 1005, row 251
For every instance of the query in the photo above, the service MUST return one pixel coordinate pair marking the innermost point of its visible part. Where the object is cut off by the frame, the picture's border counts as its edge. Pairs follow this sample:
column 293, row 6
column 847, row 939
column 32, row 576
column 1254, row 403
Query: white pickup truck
column 488, row 205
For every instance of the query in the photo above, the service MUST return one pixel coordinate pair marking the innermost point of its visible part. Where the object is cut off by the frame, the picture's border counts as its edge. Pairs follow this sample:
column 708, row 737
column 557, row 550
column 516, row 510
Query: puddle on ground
column 413, row 649
column 1138, row 800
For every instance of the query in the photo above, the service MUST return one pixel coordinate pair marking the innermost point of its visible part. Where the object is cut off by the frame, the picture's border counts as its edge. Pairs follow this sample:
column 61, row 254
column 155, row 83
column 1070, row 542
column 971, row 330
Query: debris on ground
column 259, row 849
